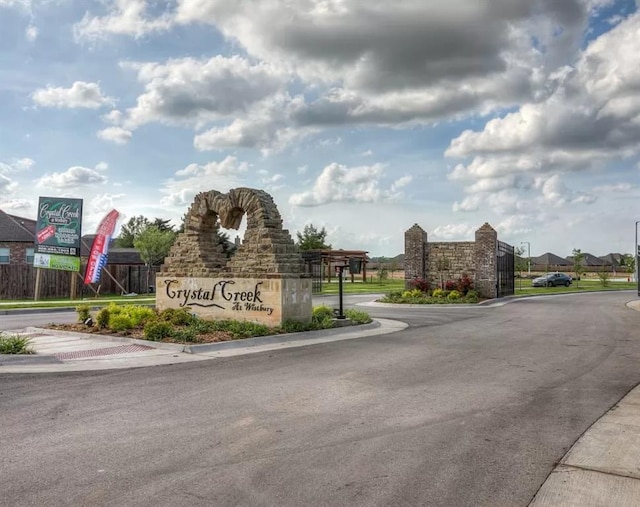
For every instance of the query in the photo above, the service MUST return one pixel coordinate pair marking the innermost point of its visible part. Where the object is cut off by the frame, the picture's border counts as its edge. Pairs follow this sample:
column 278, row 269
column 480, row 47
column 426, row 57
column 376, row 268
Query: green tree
column 521, row 262
column 578, row 264
column 153, row 245
column 629, row 262
column 131, row 230
column 312, row 239
column 162, row 224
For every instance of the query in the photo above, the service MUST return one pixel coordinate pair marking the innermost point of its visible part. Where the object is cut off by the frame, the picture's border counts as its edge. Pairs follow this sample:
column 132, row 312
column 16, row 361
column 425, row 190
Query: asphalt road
column 467, row 406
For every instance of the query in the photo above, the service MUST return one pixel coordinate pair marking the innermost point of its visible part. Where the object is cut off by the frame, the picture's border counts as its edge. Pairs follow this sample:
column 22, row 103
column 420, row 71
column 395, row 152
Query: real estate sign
column 58, row 233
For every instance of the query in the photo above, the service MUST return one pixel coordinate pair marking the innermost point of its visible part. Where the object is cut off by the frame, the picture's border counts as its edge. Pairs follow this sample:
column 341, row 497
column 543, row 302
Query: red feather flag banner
column 100, row 247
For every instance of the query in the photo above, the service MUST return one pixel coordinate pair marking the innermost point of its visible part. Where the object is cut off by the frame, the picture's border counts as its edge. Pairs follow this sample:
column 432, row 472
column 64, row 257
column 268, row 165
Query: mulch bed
column 217, row 336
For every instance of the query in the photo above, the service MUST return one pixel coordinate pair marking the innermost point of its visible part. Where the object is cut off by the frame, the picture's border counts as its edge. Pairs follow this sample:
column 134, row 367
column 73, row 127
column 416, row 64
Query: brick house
column 17, row 236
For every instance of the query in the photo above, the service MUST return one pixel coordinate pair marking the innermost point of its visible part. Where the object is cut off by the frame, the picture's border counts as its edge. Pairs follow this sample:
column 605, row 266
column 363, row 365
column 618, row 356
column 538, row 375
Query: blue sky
column 361, row 116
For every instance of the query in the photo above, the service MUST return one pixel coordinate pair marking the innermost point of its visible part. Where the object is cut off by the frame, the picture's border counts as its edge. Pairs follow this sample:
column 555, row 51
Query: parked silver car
column 552, row 280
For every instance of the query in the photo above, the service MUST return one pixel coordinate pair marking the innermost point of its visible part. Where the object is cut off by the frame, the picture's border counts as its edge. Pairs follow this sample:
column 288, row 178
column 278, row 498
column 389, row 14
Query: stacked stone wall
column 267, row 249
column 438, row 262
column 450, row 260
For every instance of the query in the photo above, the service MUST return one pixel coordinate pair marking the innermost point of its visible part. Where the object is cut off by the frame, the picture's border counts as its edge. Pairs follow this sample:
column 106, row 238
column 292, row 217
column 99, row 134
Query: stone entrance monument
column 263, row 282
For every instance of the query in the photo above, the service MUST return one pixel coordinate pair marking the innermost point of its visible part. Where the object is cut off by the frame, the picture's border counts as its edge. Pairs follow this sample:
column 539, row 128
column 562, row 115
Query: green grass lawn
column 360, row 287
column 68, row 303
column 523, row 287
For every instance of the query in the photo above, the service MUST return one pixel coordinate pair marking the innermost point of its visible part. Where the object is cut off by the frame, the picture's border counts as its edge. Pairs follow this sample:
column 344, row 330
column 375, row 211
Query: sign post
column 58, row 234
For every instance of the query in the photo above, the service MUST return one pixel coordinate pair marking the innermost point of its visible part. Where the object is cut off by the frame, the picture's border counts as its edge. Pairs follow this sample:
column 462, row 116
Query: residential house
column 17, row 236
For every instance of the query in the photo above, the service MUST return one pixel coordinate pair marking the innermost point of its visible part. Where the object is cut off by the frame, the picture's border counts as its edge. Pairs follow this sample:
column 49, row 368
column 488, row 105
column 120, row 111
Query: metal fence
column 313, row 267
column 506, row 269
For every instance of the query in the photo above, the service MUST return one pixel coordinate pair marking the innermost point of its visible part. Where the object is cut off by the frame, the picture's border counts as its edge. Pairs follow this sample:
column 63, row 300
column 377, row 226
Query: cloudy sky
column 362, row 116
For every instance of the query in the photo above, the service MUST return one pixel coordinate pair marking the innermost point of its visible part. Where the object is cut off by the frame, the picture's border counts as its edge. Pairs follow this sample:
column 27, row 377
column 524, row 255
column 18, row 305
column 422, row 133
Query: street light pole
column 636, row 253
column 528, row 255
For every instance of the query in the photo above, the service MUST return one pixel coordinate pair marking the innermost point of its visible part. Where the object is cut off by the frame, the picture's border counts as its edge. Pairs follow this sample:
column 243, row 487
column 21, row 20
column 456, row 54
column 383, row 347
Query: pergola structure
column 331, row 258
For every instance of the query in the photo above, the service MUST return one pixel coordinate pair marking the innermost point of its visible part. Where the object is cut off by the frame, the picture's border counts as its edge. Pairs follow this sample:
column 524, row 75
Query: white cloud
column 73, row 177
column 190, row 91
column 449, row 232
column 195, row 178
column 117, row 135
column 125, row 17
column 102, row 166
column 31, row 33
column 339, row 183
column 17, row 165
column 103, row 203
column 7, row 185
column 16, row 204
column 591, row 116
column 80, row 95
column 469, row 203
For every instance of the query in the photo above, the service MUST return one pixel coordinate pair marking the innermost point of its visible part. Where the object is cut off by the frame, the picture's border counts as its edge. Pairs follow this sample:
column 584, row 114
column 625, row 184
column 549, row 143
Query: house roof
column 16, row 229
column 589, row 260
column 612, row 259
column 549, row 259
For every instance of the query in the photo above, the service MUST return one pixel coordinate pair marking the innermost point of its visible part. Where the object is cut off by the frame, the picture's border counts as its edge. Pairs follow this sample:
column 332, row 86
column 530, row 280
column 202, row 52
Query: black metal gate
column 506, row 269
column 313, row 267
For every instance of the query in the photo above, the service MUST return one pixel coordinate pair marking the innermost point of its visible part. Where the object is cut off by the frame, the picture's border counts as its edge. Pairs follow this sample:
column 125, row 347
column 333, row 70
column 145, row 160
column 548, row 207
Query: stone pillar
column 486, row 251
column 415, row 254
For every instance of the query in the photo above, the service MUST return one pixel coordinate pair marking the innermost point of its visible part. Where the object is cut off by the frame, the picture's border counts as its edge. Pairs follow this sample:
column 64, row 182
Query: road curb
column 210, row 347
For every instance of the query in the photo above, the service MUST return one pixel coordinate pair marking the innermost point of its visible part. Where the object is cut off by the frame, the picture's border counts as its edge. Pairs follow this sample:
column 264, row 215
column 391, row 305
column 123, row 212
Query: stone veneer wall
column 475, row 258
column 486, row 279
column 267, row 250
column 415, row 252
column 461, row 258
column 267, row 260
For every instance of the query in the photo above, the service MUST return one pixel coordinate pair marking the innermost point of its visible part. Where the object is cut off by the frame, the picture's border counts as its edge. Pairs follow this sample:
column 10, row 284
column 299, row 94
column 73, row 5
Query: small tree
column 131, row 230
column 312, row 239
column 629, row 262
column 153, row 245
column 383, row 274
column 520, row 263
column 578, row 264
column 603, row 276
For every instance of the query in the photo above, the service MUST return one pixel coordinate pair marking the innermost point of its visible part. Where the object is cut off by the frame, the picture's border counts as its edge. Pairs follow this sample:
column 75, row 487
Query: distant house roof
column 612, row 259
column 16, row 229
column 549, row 259
column 589, row 260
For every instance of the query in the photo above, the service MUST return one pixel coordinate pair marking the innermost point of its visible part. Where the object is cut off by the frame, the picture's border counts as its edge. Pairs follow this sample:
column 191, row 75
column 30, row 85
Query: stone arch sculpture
column 267, row 251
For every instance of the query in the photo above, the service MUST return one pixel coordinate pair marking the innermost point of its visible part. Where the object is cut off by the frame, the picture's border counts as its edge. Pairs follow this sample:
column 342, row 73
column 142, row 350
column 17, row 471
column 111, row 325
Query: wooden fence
column 18, row 281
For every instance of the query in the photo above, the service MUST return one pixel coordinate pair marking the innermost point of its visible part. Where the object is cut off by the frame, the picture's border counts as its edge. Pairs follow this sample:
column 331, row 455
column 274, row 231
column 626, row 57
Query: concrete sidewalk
column 59, row 351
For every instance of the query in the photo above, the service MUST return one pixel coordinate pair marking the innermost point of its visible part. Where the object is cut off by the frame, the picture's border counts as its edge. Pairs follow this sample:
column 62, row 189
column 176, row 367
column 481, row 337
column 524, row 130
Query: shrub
column 412, row 294
column 438, row 293
column 177, row 316
column 14, row 344
column 321, row 312
column 102, row 318
column 421, row 284
column 471, row 297
column 186, row 334
column 357, row 316
column 157, row 331
column 465, row 284
column 140, row 315
column 83, row 312
column 293, row 326
column 450, row 285
column 453, row 295
column 120, row 323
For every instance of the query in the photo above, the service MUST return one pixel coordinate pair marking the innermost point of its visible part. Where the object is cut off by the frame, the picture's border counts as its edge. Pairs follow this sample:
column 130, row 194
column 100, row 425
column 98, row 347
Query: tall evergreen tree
column 312, row 239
